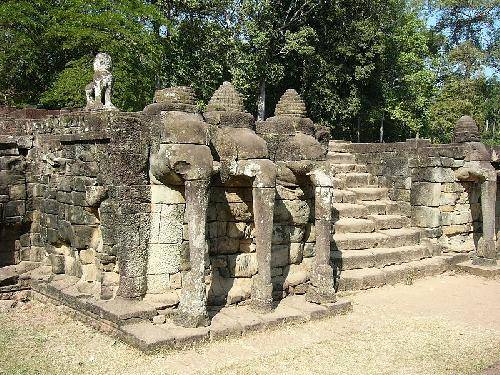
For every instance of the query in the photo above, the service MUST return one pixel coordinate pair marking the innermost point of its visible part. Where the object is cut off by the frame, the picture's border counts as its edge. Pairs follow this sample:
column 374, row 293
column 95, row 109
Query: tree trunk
column 261, row 103
column 358, row 131
column 382, row 128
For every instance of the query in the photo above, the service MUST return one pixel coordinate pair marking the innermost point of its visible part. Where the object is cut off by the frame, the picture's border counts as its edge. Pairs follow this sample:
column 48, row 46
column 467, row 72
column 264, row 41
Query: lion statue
column 98, row 92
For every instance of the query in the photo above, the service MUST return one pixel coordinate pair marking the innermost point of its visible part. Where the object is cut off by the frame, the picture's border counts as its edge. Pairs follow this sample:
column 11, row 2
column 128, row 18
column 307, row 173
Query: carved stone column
column 263, row 207
column 486, row 249
column 192, row 307
column 478, row 168
column 322, row 288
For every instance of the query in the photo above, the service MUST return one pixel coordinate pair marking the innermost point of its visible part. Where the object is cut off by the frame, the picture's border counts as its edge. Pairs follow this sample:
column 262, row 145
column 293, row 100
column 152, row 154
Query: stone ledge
column 129, row 320
column 479, row 270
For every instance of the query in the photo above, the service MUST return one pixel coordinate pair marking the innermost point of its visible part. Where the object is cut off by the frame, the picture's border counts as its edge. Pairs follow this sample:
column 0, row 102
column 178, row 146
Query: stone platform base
column 16, row 278
column 132, row 320
column 479, row 270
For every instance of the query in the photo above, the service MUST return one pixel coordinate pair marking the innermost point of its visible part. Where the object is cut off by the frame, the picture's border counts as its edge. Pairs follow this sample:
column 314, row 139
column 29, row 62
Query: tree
column 409, row 82
column 469, row 51
column 63, row 38
column 198, row 44
column 23, row 51
column 272, row 40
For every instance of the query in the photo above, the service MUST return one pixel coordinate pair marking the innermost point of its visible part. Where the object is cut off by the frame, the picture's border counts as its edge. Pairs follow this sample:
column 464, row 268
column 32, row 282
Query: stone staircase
column 374, row 242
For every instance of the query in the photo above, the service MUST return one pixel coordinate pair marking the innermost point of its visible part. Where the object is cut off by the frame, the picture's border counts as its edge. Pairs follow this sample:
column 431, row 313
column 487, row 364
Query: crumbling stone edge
column 83, row 310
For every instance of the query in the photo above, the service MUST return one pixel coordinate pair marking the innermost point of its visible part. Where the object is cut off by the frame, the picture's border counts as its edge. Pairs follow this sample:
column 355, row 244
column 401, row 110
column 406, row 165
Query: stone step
column 353, row 180
column 370, row 193
column 387, row 207
column 401, row 237
column 343, row 196
column 377, row 207
column 378, row 258
column 340, row 146
column 389, row 221
column 352, row 225
column 383, row 238
column 341, row 210
column 341, row 158
column 366, row 278
column 345, row 168
column 357, row 241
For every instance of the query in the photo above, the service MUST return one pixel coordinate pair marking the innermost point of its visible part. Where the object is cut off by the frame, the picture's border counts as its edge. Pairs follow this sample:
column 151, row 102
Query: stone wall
column 86, row 196
column 14, row 220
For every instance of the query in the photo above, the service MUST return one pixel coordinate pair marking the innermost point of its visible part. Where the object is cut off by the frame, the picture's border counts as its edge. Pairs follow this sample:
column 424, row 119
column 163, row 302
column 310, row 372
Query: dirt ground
column 443, row 325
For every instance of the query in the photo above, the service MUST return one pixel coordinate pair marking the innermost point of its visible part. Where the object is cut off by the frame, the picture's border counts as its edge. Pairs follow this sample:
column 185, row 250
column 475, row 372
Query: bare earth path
column 442, row 325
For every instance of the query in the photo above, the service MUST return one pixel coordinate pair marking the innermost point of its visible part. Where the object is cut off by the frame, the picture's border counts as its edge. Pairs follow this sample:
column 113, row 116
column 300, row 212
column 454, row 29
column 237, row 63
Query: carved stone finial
column 466, row 130
column 98, row 92
column 226, row 98
column 183, row 95
column 291, row 105
column 179, row 98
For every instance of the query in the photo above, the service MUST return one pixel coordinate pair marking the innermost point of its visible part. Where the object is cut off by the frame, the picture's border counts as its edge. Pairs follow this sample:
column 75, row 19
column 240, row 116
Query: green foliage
column 23, row 51
column 470, row 30
column 66, row 89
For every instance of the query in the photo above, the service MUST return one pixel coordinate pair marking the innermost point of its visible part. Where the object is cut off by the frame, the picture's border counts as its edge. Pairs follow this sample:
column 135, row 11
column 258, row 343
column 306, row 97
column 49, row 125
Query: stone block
column 453, row 187
column 426, row 217
column 166, row 195
column 280, row 256
column 163, row 258
column 287, row 233
column 132, row 287
column 237, row 230
column 72, row 267
column 285, row 193
column 14, row 208
column 17, row 192
column 57, row 263
column 449, row 199
column 296, row 252
column 243, row 265
column 82, row 236
column 158, row 284
column 234, row 212
column 425, row 194
column 79, row 199
column 87, row 256
column 451, row 230
column 81, row 216
column 456, row 218
column 176, row 280
column 171, row 224
column 309, row 249
column 247, row 246
column 287, row 211
column 226, row 245
column 400, row 195
column 434, row 174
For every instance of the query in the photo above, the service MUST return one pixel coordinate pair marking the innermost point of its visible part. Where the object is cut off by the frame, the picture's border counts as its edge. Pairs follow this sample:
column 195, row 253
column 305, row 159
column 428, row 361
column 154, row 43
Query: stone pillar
column 486, row 250
column 263, row 209
column 192, row 307
column 322, row 289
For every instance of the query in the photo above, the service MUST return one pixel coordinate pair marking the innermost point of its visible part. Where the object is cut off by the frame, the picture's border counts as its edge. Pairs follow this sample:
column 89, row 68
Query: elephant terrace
column 168, row 227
